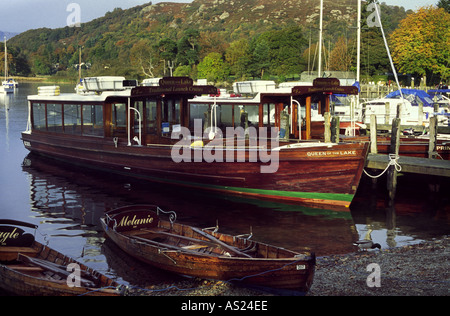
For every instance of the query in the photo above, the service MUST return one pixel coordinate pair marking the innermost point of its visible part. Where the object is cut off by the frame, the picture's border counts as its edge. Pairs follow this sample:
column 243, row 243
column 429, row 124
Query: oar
column 53, row 268
column 221, row 243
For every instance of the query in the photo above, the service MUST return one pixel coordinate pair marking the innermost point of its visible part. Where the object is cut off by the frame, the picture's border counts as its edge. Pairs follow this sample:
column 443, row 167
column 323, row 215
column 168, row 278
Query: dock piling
column 432, row 152
column 392, row 172
column 335, row 128
column 373, row 134
column 327, row 132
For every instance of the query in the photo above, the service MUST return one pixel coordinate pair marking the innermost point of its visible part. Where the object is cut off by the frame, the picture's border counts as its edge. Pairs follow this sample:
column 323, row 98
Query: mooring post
column 434, row 182
column 387, row 112
column 432, row 153
column 335, row 128
column 392, row 172
column 420, row 113
column 373, row 134
column 327, row 132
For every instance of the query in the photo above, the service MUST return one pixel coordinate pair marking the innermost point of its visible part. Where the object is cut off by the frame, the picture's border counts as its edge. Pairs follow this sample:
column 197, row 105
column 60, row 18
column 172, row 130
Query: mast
column 358, row 54
column 6, row 61
column 320, row 39
column 79, row 66
column 358, row 58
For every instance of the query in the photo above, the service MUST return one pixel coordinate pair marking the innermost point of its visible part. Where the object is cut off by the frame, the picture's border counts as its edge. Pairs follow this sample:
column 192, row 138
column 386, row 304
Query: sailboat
column 8, row 84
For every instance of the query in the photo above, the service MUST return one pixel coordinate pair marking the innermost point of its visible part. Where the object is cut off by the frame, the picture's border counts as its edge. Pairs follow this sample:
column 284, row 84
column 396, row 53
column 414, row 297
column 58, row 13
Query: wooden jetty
column 393, row 163
column 426, row 166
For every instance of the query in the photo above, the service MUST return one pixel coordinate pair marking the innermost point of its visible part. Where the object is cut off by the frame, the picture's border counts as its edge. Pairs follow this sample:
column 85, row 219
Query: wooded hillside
column 218, row 39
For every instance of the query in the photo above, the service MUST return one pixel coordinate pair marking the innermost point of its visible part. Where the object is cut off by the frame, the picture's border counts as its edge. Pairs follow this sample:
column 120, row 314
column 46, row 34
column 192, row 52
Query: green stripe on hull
column 299, row 195
column 262, row 192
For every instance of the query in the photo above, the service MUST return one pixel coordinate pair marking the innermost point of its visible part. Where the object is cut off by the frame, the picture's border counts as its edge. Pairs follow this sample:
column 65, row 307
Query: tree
column 167, row 52
column 213, row 68
column 444, row 4
column 188, row 48
column 142, row 56
column 238, row 58
column 340, row 58
column 421, row 44
column 286, row 46
column 261, row 58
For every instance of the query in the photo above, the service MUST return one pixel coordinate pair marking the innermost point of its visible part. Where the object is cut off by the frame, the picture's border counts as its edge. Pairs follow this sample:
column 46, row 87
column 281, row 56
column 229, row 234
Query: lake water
column 67, row 203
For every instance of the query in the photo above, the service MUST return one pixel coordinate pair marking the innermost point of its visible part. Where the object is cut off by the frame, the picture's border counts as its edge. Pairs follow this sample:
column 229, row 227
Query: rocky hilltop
column 206, row 14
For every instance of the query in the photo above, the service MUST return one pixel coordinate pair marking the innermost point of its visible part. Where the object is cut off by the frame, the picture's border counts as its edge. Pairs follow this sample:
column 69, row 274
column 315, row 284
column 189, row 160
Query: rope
column 393, row 161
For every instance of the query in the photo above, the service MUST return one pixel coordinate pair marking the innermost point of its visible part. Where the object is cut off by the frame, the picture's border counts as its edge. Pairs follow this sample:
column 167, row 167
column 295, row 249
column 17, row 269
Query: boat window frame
column 233, row 121
column 97, row 120
column 33, row 116
column 55, row 122
column 76, row 127
column 62, row 127
column 170, row 114
column 119, row 130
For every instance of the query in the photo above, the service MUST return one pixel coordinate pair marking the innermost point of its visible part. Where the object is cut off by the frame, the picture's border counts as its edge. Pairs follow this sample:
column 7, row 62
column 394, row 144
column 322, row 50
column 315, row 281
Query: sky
column 20, row 15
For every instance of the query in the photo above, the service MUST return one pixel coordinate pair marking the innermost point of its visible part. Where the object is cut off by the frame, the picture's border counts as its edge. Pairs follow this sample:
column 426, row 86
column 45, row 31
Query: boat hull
column 325, row 176
column 315, row 176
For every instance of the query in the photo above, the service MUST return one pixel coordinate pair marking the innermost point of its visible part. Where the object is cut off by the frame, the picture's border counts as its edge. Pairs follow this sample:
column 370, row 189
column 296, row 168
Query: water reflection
column 420, row 211
column 76, row 198
column 5, row 102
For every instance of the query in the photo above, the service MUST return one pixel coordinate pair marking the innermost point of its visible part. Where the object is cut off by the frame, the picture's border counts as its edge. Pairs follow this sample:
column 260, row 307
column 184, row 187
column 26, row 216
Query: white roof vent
column 107, row 83
column 49, row 90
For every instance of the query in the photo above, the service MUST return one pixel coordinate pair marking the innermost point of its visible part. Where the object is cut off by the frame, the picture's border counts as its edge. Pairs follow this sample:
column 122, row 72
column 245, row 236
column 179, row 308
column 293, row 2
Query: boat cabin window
column 54, row 117
column 170, row 114
column 150, row 116
column 93, row 120
column 227, row 115
column 198, row 111
column 252, row 115
column 269, row 114
column 72, row 119
column 119, row 119
column 139, row 106
column 147, row 114
column 39, row 117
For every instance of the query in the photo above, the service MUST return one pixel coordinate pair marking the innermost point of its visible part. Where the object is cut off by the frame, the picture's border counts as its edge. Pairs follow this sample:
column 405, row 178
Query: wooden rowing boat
column 186, row 250
column 29, row 268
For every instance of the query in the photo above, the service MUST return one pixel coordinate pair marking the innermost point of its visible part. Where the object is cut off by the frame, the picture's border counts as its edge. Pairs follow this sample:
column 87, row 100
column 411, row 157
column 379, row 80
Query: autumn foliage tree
column 340, row 57
column 421, row 44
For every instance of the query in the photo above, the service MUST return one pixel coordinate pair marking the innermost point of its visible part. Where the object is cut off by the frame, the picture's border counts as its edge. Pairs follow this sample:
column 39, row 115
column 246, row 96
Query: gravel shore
column 421, row 269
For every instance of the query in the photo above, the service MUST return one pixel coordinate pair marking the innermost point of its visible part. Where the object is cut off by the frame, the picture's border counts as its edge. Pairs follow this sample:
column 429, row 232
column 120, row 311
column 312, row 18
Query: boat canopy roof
column 75, row 97
column 102, row 88
column 412, row 95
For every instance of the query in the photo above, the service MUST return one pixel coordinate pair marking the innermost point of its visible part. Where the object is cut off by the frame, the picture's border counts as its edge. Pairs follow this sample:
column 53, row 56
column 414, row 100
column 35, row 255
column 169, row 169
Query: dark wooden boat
column 153, row 133
column 409, row 146
column 416, row 147
column 139, row 231
column 29, row 268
